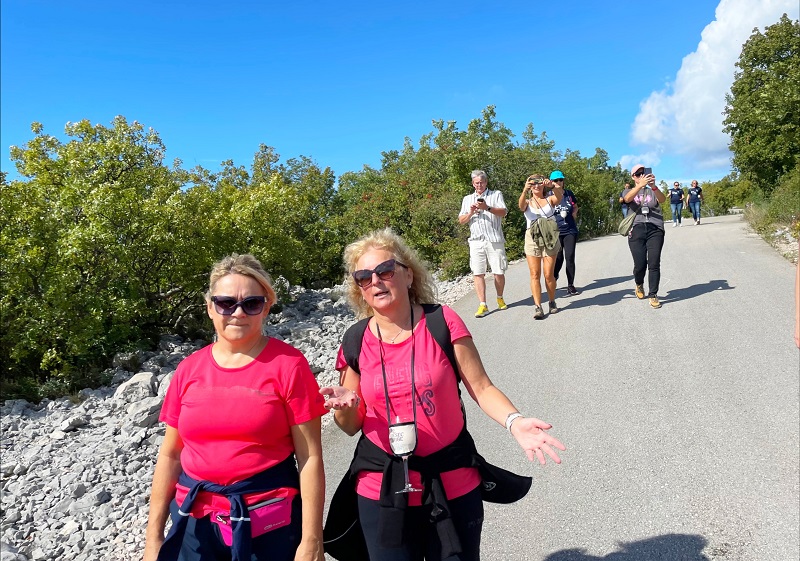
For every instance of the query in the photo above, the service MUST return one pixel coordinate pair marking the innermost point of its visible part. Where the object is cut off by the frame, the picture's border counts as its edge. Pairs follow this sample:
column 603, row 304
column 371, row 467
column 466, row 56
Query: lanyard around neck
column 383, row 372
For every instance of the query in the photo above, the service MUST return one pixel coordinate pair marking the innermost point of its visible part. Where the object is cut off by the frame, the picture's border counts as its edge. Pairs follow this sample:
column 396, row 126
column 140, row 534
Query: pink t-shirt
column 236, row 422
column 439, row 416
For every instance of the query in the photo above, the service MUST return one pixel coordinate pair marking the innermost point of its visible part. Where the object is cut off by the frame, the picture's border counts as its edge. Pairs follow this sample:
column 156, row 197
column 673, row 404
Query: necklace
column 396, row 336
column 402, row 330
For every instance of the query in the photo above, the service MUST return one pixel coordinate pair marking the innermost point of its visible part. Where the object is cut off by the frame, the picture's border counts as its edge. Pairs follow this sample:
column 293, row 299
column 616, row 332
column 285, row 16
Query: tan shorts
column 482, row 252
column 534, row 250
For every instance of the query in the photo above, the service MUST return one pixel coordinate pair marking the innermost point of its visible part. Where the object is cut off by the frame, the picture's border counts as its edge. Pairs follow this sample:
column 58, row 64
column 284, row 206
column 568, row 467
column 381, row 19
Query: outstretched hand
column 532, row 437
column 339, row 397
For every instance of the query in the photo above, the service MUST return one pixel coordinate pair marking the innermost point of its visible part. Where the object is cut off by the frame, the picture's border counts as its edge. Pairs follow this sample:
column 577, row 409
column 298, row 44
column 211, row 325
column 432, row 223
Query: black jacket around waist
column 342, row 534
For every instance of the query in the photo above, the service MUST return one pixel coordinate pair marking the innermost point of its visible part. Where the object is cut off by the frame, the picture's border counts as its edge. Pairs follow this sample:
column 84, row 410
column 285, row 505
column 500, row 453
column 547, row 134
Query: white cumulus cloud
column 685, row 118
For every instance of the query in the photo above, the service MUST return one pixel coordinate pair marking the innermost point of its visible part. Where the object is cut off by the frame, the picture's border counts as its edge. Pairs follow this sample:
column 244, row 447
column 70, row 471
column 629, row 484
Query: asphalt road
column 682, row 424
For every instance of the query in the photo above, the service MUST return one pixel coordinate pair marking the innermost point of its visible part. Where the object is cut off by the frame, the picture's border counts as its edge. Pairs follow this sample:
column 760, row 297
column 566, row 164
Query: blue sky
column 342, row 82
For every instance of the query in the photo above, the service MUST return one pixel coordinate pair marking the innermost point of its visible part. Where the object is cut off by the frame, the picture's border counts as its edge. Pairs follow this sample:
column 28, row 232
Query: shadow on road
column 670, row 547
column 602, row 299
column 600, row 283
column 696, row 290
column 578, row 301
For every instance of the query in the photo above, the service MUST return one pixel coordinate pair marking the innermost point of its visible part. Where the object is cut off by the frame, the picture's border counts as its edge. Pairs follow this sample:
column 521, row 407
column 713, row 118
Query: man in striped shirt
column 484, row 210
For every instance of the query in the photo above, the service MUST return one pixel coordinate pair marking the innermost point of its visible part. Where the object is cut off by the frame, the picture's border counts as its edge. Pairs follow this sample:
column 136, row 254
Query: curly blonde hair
column 423, row 287
column 244, row 264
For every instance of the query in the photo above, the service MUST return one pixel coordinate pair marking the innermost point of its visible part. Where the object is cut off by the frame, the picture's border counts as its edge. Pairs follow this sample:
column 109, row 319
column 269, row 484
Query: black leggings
column 567, row 253
column 420, row 540
column 645, row 242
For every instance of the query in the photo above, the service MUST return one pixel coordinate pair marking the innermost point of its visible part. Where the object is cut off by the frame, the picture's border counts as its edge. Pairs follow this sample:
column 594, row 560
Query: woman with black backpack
column 414, row 489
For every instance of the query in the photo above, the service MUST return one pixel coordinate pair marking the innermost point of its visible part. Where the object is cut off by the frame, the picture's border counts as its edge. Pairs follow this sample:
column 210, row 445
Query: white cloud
column 685, row 119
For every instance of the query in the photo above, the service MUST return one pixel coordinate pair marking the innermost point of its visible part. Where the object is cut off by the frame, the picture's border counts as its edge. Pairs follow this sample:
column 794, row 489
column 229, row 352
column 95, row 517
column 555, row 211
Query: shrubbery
column 105, row 247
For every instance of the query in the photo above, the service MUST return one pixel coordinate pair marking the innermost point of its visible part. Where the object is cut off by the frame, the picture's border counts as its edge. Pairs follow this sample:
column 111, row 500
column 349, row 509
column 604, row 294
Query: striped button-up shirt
column 485, row 225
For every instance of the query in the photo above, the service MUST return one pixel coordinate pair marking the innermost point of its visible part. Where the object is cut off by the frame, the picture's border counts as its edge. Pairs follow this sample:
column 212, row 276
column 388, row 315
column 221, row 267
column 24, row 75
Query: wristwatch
column 488, row 209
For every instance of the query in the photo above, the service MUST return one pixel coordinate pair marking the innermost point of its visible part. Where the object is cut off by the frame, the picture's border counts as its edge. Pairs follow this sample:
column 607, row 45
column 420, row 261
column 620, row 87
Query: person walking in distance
column 484, row 210
column 622, row 202
column 566, row 218
column 538, row 201
column 695, row 197
column 646, row 238
column 676, row 204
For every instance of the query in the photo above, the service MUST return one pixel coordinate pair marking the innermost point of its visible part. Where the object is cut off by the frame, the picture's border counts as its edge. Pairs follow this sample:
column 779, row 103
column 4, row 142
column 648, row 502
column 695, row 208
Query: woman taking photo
column 402, row 393
column 537, row 205
column 646, row 238
column 239, row 412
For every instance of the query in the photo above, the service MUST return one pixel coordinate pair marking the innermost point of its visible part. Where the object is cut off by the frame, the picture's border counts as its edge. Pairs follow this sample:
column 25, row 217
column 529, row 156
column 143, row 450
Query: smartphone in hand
column 648, row 171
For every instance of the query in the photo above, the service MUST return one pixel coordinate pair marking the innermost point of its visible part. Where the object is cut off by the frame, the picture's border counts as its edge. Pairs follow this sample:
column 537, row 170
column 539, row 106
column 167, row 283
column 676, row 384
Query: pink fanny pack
column 265, row 516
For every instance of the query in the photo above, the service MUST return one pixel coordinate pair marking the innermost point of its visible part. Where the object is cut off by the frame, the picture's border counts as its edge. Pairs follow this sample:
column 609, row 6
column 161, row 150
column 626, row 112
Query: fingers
column 540, row 451
column 338, row 398
column 550, row 452
column 539, row 424
column 557, row 443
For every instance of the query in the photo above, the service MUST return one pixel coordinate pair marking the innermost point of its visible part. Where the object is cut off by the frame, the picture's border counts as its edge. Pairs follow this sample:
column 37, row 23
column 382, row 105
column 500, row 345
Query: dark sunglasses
column 252, row 305
column 385, row 271
column 559, row 180
column 638, row 174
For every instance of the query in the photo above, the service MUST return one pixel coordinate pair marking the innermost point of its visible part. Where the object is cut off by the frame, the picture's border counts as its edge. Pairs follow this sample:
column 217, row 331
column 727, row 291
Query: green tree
column 763, row 107
column 85, row 255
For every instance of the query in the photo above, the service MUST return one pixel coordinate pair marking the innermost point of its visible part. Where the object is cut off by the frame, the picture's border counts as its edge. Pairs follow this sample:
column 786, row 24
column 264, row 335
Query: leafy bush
column 113, row 247
column 784, row 205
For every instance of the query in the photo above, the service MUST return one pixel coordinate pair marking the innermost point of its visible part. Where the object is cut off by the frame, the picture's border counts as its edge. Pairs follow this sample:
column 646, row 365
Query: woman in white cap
column 646, row 238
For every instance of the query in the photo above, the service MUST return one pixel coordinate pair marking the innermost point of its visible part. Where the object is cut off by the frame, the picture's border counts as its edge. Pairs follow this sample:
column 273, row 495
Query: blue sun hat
column 556, row 175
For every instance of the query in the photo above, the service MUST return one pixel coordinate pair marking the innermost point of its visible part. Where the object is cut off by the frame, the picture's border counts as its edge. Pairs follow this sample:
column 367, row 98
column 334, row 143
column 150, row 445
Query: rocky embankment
column 76, row 471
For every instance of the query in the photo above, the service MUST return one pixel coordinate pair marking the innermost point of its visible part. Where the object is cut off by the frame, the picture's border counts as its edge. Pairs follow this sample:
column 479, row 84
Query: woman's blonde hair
column 244, row 264
column 423, row 287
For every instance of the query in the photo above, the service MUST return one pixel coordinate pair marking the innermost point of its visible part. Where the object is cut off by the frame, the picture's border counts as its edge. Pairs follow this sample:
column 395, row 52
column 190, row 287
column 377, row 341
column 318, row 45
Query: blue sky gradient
column 343, row 82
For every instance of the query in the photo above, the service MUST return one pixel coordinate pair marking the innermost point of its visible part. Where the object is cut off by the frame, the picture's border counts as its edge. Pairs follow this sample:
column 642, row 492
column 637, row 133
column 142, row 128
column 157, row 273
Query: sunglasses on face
column 385, row 271
column 559, row 180
column 252, row 305
column 638, row 174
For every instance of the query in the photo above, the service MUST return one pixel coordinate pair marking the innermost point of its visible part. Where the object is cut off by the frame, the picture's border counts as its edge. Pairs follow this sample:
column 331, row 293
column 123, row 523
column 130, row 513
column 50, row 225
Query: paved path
column 681, row 423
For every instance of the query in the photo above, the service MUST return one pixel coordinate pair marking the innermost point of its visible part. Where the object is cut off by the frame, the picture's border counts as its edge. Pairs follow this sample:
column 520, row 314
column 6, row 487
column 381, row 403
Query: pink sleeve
column 171, row 407
column 458, row 329
column 340, row 360
column 303, row 400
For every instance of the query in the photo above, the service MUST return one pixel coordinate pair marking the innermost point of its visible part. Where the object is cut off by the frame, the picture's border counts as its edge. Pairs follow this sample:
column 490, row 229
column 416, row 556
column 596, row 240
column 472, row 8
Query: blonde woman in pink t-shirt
column 242, row 450
column 407, row 391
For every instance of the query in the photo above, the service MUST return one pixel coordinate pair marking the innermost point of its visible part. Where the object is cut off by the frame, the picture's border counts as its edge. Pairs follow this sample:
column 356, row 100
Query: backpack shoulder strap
column 434, row 319
column 351, row 343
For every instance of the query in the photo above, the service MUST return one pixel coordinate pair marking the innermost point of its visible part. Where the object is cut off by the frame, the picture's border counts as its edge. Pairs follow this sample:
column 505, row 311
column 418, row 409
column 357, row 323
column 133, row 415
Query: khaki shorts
column 534, row 250
column 482, row 252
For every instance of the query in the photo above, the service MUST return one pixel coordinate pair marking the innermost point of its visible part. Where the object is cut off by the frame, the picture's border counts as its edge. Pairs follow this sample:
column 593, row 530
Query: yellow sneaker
column 483, row 309
column 501, row 304
column 640, row 292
